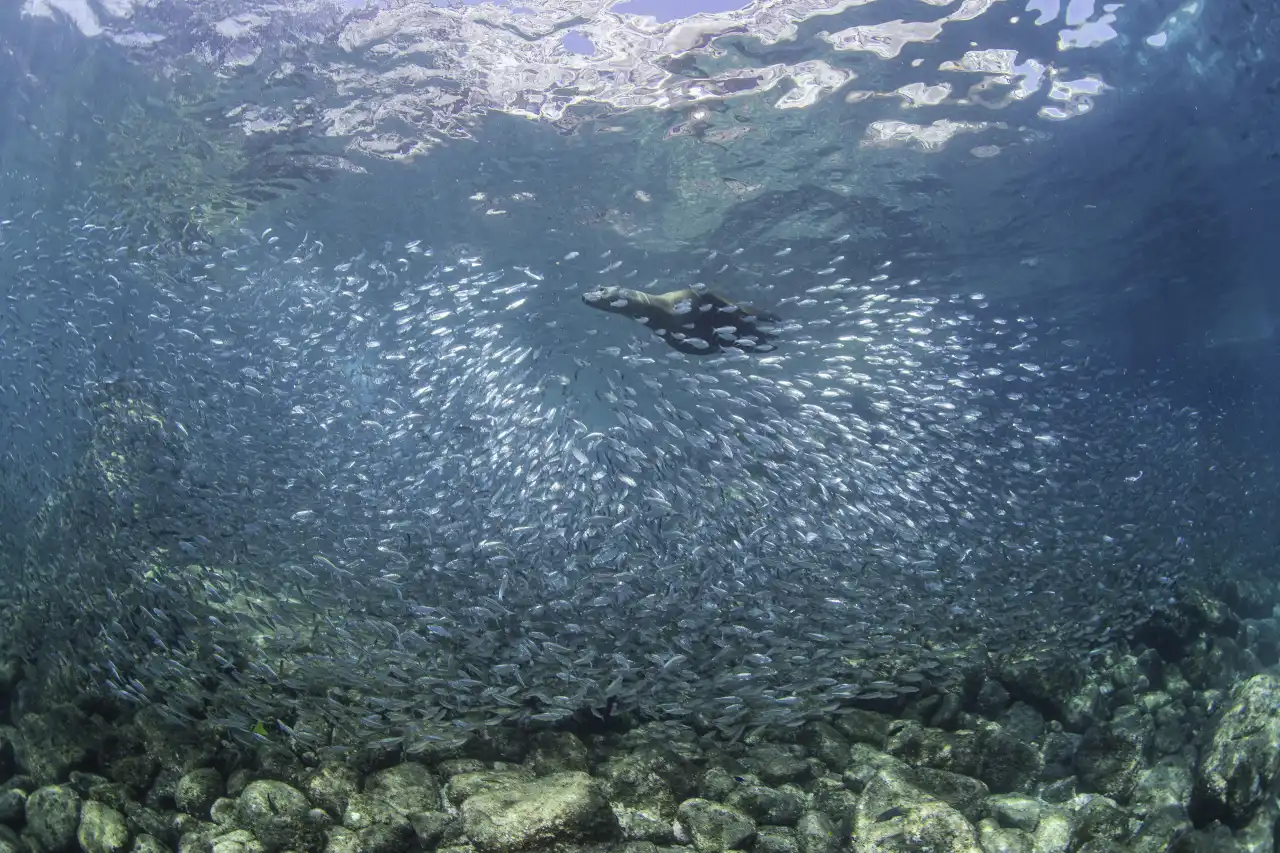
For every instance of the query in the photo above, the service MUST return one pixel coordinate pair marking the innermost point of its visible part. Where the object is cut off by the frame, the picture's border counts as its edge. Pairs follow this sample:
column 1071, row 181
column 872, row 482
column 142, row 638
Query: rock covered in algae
column 713, row 827
column 1241, row 761
column 278, row 815
column 53, row 816
column 102, row 829
column 564, row 807
column 197, row 791
column 894, row 814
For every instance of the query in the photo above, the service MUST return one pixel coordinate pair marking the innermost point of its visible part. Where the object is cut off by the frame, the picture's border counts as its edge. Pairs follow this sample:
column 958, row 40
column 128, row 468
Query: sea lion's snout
column 600, row 294
column 615, row 300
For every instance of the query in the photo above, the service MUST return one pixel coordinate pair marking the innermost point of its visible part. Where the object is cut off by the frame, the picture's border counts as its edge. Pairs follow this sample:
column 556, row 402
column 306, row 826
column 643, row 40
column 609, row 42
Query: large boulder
column 53, row 817
column 406, row 788
column 197, row 791
column 713, row 827
column 919, row 746
column 279, row 816
column 49, row 745
column 641, row 800
column 1114, row 753
column 895, row 815
column 102, row 829
column 522, row 816
column 1241, row 760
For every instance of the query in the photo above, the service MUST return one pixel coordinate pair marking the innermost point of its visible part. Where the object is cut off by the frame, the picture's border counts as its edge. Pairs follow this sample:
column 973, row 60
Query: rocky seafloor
column 1167, row 742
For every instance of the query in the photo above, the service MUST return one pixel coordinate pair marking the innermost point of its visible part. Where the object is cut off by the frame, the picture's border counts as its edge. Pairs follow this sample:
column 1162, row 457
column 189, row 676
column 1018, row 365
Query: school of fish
column 401, row 496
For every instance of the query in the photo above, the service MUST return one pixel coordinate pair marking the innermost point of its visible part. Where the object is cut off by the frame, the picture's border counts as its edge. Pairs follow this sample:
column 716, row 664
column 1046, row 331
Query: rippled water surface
column 306, row 418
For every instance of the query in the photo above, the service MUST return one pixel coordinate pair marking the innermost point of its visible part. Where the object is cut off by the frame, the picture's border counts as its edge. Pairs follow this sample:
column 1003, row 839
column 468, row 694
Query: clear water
column 325, row 262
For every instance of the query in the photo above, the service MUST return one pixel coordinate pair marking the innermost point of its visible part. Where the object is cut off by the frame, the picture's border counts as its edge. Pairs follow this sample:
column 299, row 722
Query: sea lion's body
column 694, row 322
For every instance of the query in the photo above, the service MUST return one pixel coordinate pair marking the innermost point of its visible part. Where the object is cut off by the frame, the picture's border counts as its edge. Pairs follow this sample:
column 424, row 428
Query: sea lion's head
column 615, row 300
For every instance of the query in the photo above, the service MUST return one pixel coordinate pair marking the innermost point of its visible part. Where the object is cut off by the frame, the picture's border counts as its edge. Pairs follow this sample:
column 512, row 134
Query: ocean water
column 305, row 420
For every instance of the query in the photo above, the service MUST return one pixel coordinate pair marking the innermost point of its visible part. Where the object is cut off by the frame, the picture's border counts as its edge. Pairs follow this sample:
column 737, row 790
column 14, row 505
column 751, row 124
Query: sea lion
column 695, row 322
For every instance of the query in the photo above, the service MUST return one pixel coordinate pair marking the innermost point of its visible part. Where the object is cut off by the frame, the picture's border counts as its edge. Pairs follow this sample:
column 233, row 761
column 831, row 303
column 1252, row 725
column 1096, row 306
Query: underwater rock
column 1262, row 637
column 196, row 836
column 1259, row 834
column 867, row 727
column 1142, row 673
column 381, row 815
column 815, row 833
column 1014, row 811
column 1045, row 681
column 1061, row 791
column 1241, row 761
column 556, row 752
column 463, row 786
column 776, row 839
column 102, row 829
column 1215, row 662
column 566, row 807
column 82, row 783
column 111, row 794
column 147, row 821
column 947, row 714
column 1099, row 822
column 236, row 841
column 136, row 772
column 237, row 781
column 992, row 698
column 1114, row 752
column 894, row 815
column 277, row 763
column 8, row 760
column 776, row 764
column 1053, row 832
column 332, row 786
column 641, row 801
column 962, row 793
column 197, row 791
column 1167, row 783
column 919, row 746
column 53, row 816
column 864, row 763
column 780, row 807
column 161, row 794
column 1161, row 829
column 48, row 746
column 339, row 839
column 837, row 798
column 451, row 767
column 10, row 841
column 718, row 783
column 1009, row 764
column 827, row 745
column 404, row 789
column 1183, row 632
column 713, row 827
column 224, row 811
column 278, row 815
column 388, row 836
column 148, row 844
column 999, row 839
column 434, row 828
column 1087, row 704
column 676, row 768
column 1172, row 732
column 13, row 808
